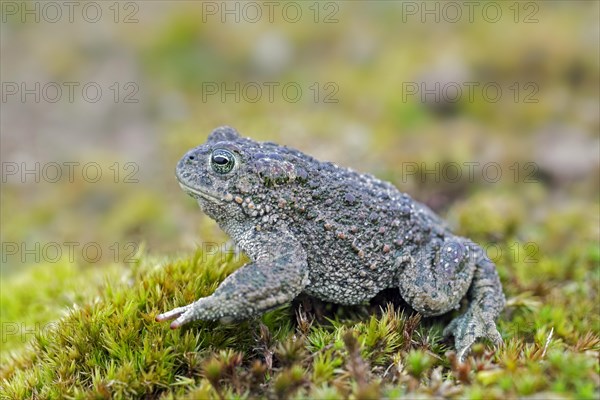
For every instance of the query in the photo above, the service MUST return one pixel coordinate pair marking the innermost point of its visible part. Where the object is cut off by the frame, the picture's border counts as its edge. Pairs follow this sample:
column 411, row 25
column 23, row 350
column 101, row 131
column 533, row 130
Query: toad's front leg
column 275, row 277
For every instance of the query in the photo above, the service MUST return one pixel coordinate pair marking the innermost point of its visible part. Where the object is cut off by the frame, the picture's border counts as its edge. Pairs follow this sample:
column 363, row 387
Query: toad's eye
column 222, row 161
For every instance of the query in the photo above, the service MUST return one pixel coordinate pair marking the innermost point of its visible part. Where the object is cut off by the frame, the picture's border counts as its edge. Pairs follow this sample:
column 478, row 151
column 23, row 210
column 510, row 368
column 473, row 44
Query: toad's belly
column 346, row 290
column 352, row 279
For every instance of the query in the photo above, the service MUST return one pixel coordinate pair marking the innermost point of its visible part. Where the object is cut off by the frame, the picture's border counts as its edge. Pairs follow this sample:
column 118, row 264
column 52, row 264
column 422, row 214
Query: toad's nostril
column 191, row 157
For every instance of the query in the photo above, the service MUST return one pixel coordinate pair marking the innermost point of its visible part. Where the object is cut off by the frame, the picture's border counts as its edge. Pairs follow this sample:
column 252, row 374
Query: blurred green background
column 158, row 64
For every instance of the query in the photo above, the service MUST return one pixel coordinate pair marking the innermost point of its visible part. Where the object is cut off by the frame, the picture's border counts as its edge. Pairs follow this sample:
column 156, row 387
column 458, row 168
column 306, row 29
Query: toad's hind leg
column 486, row 302
column 434, row 280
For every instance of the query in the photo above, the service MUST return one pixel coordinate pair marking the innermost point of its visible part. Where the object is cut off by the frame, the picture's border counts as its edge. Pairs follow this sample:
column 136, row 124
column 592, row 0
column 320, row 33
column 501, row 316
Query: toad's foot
column 469, row 327
column 174, row 313
column 205, row 308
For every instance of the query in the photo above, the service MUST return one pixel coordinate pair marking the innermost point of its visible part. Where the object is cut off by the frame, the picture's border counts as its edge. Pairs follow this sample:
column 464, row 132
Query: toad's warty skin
column 336, row 234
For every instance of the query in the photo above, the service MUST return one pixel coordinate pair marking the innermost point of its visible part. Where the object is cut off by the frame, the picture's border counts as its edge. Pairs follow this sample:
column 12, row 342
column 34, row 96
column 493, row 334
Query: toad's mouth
column 195, row 193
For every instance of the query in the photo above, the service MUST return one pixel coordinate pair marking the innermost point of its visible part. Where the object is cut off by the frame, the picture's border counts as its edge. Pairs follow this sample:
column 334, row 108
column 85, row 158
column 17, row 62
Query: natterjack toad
column 336, row 234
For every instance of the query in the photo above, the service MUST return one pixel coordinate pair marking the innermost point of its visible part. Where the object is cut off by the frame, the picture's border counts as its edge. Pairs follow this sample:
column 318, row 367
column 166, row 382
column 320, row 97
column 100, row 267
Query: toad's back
column 356, row 230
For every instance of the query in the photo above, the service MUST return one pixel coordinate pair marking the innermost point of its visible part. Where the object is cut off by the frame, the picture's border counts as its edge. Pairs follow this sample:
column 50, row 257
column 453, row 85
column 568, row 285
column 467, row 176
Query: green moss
column 89, row 331
column 110, row 347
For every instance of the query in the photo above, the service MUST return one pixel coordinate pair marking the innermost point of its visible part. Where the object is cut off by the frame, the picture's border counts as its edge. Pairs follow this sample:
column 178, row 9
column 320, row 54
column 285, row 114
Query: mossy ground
column 109, row 346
